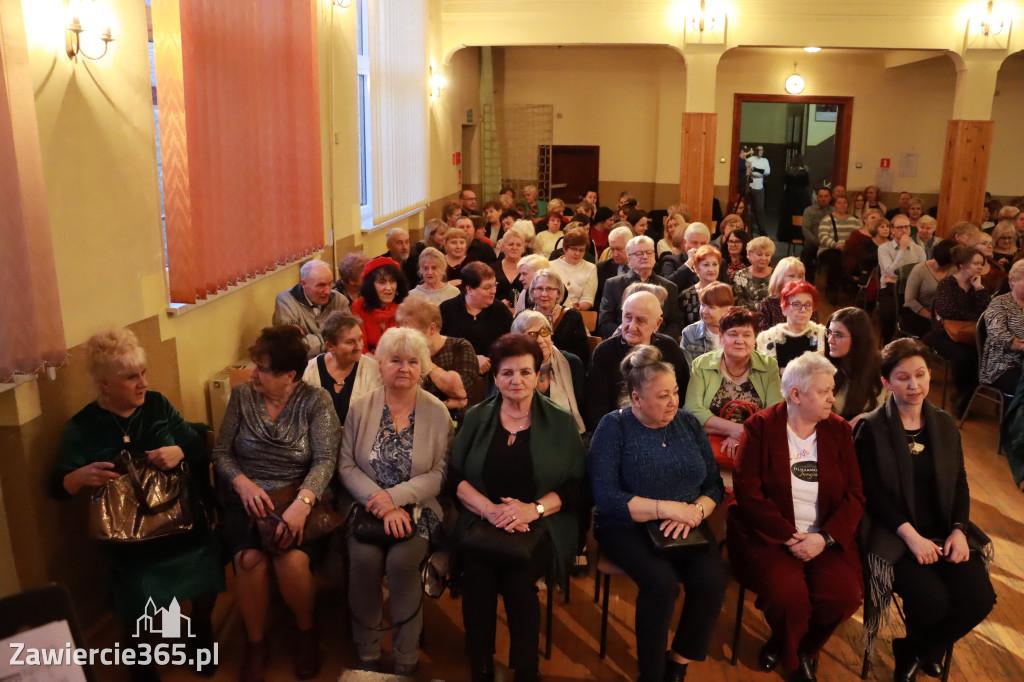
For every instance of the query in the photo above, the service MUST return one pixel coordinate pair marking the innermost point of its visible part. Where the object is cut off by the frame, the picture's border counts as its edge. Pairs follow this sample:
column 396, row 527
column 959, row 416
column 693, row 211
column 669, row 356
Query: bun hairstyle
column 638, row 367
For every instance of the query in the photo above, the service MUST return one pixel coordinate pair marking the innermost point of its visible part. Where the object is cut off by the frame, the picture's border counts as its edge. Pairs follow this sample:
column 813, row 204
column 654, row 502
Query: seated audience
column 518, row 466
column 833, row 232
column 734, row 257
column 641, row 318
column 126, row 417
column 397, row 241
column 812, row 219
column 750, row 285
column 854, row 353
column 872, row 200
column 432, row 269
column 789, row 269
column 307, row 303
column 992, row 276
column 342, row 370
column 589, row 252
column 923, row 281
column 579, row 276
column 652, row 471
column 451, row 212
column 492, row 213
column 730, row 223
column 1005, row 248
column 546, row 239
column 680, row 269
column 708, row 261
column 963, row 232
column 570, row 333
column 467, row 198
column 860, row 256
column 674, row 255
column 640, row 255
column 915, row 211
column 476, row 250
column 433, row 235
column 617, row 262
column 926, row 238
column 455, row 255
column 902, row 208
column 474, row 315
column 961, row 297
column 798, row 334
column 452, row 375
column 279, row 435
column 506, row 270
column 561, row 377
column 893, row 257
column 382, row 290
column 528, row 267
column 666, row 244
column 859, row 206
column 792, row 533
column 703, row 336
column 733, row 372
column 638, row 220
column 393, row 461
column 1004, row 342
column 350, row 275
column 920, row 539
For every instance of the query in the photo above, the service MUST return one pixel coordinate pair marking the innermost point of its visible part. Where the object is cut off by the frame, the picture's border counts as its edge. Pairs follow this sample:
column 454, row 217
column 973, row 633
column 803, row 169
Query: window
column 365, row 140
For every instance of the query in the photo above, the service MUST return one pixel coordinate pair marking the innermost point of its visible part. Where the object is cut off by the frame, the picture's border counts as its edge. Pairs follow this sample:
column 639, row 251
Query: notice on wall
column 908, row 165
column 883, row 178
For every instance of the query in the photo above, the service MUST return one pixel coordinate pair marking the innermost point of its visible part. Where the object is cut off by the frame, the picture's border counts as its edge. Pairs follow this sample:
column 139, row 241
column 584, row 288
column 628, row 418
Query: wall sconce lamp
column 988, row 28
column 438, row 83
column 344, row 4
column 85, row 17
column 705, row 22
column 990, row 24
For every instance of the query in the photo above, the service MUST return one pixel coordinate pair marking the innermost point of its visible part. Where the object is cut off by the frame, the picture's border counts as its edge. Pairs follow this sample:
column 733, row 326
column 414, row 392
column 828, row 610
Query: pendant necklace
column 512, row 434
column 915, row 447
column 125, row 431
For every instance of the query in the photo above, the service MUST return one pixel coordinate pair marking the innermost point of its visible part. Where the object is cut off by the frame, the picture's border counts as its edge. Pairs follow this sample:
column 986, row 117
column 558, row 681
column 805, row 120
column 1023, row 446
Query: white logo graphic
column 170, row 621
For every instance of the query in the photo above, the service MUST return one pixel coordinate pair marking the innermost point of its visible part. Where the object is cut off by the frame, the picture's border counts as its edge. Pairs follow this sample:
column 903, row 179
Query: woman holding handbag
column 735, row 372
column 959, row 301
column 517, row 466
column 127, row 417
column 654, row 477
column 393, row 456
column 277, row 451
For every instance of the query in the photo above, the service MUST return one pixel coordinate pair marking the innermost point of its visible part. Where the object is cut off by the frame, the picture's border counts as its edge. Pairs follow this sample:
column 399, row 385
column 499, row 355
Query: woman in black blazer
column 919, row 540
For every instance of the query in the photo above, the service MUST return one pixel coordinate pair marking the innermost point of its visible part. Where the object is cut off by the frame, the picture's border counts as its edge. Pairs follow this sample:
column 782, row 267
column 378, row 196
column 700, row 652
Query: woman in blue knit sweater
column 651, row 463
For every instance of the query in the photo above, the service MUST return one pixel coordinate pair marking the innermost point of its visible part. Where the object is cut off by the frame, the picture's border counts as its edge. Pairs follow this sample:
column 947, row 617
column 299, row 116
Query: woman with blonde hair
column 512, row 247
column 751, row 283
column 789, row 269
column 1005, row 247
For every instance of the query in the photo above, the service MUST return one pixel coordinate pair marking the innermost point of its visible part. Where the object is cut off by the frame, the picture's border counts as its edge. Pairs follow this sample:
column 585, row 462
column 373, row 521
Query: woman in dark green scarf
column 518, row 466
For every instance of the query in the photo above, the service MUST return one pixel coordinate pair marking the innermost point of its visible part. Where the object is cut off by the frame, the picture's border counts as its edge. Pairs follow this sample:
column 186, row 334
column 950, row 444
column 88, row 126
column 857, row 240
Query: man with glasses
column 759, row 170
column 893, row 256
column 616, row 263
column 640, row 255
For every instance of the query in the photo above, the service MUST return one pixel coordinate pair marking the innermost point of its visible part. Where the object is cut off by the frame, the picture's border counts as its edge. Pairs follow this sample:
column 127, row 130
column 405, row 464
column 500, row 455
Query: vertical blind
column 238, row 100
column 399, row 99
column 31, row 327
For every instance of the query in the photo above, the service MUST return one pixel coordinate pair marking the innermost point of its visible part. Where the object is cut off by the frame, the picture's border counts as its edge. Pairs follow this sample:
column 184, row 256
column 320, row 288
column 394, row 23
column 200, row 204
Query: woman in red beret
column 383, row 288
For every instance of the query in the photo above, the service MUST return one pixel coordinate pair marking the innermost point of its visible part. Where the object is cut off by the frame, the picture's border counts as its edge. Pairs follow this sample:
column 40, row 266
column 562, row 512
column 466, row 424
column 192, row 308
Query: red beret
column 375, row 263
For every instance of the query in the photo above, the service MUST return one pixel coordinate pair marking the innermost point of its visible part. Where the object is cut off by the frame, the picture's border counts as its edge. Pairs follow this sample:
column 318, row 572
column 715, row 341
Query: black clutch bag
column 370, row 530
column 494, row 544
column 697, row 537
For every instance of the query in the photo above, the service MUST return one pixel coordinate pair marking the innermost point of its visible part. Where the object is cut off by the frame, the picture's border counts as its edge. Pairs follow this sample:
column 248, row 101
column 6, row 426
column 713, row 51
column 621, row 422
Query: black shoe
column 804, row 671
column 373, row 665
column 482, row 671
column 905, row 667
column 770, row 654
column 674, row 670
column 403, row 670
column 526, row 676
column 930, row 666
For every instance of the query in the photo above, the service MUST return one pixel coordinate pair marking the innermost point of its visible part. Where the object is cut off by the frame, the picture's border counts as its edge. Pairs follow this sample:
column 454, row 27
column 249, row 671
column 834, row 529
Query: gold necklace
column 512, row 434
column 125, row 431
column 915, row 447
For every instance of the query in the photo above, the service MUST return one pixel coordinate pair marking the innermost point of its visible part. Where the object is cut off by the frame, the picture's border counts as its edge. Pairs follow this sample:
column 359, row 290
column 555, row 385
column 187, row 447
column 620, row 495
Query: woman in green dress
column 127, row 416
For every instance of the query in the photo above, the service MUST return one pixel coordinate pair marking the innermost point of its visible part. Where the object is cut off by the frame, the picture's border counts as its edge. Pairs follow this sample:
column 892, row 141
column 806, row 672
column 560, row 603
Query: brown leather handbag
column 323, row 519
column 142, row 504
column 961, row 331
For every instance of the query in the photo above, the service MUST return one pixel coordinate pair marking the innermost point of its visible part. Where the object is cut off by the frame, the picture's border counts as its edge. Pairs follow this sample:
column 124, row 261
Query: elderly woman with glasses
column 432, row 267
column 579, row 276
column 798, row 334
column 569, row 332
column 474, row 315
column 561, row 377
column 528, row 267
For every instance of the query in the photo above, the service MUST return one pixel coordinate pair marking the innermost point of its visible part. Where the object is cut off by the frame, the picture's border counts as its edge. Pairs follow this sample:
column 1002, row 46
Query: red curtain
column 31, row 329
column 239, row 107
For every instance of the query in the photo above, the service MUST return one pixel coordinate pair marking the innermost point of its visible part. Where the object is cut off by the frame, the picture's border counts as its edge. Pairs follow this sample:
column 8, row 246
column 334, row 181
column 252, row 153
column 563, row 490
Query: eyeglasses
column 545, row 332
column 801, row 306
column 488, row 288
column 838, row 336
column 546, row 290
column 638, row 254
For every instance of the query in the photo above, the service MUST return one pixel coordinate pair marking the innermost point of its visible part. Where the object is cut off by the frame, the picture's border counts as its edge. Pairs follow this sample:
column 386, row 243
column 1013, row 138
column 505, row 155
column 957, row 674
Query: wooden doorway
column 574, row 170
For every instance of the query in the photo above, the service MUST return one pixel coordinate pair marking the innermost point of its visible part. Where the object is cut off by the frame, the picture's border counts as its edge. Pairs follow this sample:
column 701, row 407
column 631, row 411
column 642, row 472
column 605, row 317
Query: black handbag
column 494, row 544
column 368, row 529
column 697, row 537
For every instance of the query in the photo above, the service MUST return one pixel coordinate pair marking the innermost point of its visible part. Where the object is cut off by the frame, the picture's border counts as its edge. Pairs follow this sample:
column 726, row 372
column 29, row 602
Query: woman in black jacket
column 919, row 539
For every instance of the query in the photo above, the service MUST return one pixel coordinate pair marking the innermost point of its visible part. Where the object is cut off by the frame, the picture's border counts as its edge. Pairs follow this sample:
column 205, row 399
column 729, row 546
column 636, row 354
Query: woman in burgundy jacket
column 798, row 503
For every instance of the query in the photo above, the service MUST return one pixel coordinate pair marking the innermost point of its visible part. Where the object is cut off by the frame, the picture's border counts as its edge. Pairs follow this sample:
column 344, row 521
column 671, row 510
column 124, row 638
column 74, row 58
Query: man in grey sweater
column 309, row 302
column 813, row 215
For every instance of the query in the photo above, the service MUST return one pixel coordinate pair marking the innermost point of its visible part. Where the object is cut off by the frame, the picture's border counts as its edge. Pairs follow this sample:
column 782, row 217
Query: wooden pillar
column 697, row 167
column 964, row 172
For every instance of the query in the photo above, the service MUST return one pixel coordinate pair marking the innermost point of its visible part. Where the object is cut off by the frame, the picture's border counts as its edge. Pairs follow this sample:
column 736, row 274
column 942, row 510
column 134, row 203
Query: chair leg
column 947, row 663
column 549, row 619
column 999, row 427
column 597, row 576
column 738, row 628
column 602, row 649
column 967, row 410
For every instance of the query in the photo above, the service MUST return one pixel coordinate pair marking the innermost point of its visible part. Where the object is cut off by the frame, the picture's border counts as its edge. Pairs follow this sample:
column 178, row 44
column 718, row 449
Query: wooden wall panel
column 697, row 165
column 964, row 172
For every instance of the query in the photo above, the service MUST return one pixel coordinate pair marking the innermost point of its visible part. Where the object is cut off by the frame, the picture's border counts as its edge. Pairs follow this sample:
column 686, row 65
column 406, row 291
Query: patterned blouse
column 391, row 461
column 689, row 305
column 730, row 391
column 951, row 302
column 750, row 290
column 1004, row 320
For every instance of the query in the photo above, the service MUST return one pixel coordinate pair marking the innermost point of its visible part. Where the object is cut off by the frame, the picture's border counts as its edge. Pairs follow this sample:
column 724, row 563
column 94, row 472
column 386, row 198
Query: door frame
column 841, row 160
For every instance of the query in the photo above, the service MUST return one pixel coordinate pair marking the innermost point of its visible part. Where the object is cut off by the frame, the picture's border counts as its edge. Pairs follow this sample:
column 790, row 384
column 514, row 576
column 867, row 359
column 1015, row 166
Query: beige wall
column 1005, row 171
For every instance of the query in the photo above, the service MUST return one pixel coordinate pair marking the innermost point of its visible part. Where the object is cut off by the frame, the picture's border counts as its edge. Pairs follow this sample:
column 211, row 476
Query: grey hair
column 527, row 319
column 307, row 268
column 404, row 343
column 621, row 232
column 526, row 229
column 1017, row 271
column 535, row 262
column 430, row 253
column 351, row 265
column 698, row 228
column 639, row 240
column 660, row 292
column 800, row 371
column 638, row 367
column 552, row 276
column 395, row 232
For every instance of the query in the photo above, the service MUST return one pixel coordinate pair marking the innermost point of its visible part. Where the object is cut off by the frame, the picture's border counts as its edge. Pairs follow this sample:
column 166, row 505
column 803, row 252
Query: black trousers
column 1007, row 382
column 964, row 359
column 832, row 261
column 809, row 257
column 942, row 601
column 888, row 313
column 657, row 576
column 481, row 582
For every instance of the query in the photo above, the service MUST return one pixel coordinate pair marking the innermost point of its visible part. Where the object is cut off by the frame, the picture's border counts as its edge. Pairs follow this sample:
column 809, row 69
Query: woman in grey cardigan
column 392, row 461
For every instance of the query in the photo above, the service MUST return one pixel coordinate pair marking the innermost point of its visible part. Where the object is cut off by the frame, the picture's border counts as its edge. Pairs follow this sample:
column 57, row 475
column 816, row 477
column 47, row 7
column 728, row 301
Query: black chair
column 986, row 391
column 38, row 607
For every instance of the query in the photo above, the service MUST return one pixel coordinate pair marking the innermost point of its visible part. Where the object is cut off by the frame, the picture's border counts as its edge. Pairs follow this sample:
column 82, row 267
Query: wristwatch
column 829, row 542
column 540, row 510
column 305, row 499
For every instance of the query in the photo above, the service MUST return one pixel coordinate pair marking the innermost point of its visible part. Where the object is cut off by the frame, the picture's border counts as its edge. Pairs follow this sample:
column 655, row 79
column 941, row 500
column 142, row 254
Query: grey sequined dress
column 301, row 444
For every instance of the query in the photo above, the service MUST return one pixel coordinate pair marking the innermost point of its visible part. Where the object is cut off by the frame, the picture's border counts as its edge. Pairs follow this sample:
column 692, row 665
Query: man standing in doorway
column 759, row 170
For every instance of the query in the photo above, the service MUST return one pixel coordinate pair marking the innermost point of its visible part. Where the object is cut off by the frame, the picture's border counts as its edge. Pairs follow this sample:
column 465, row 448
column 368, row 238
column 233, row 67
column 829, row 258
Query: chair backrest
column 594, row 342
column 589, row 319
column 798, row 221
column 980, row 336
column 38, row 607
